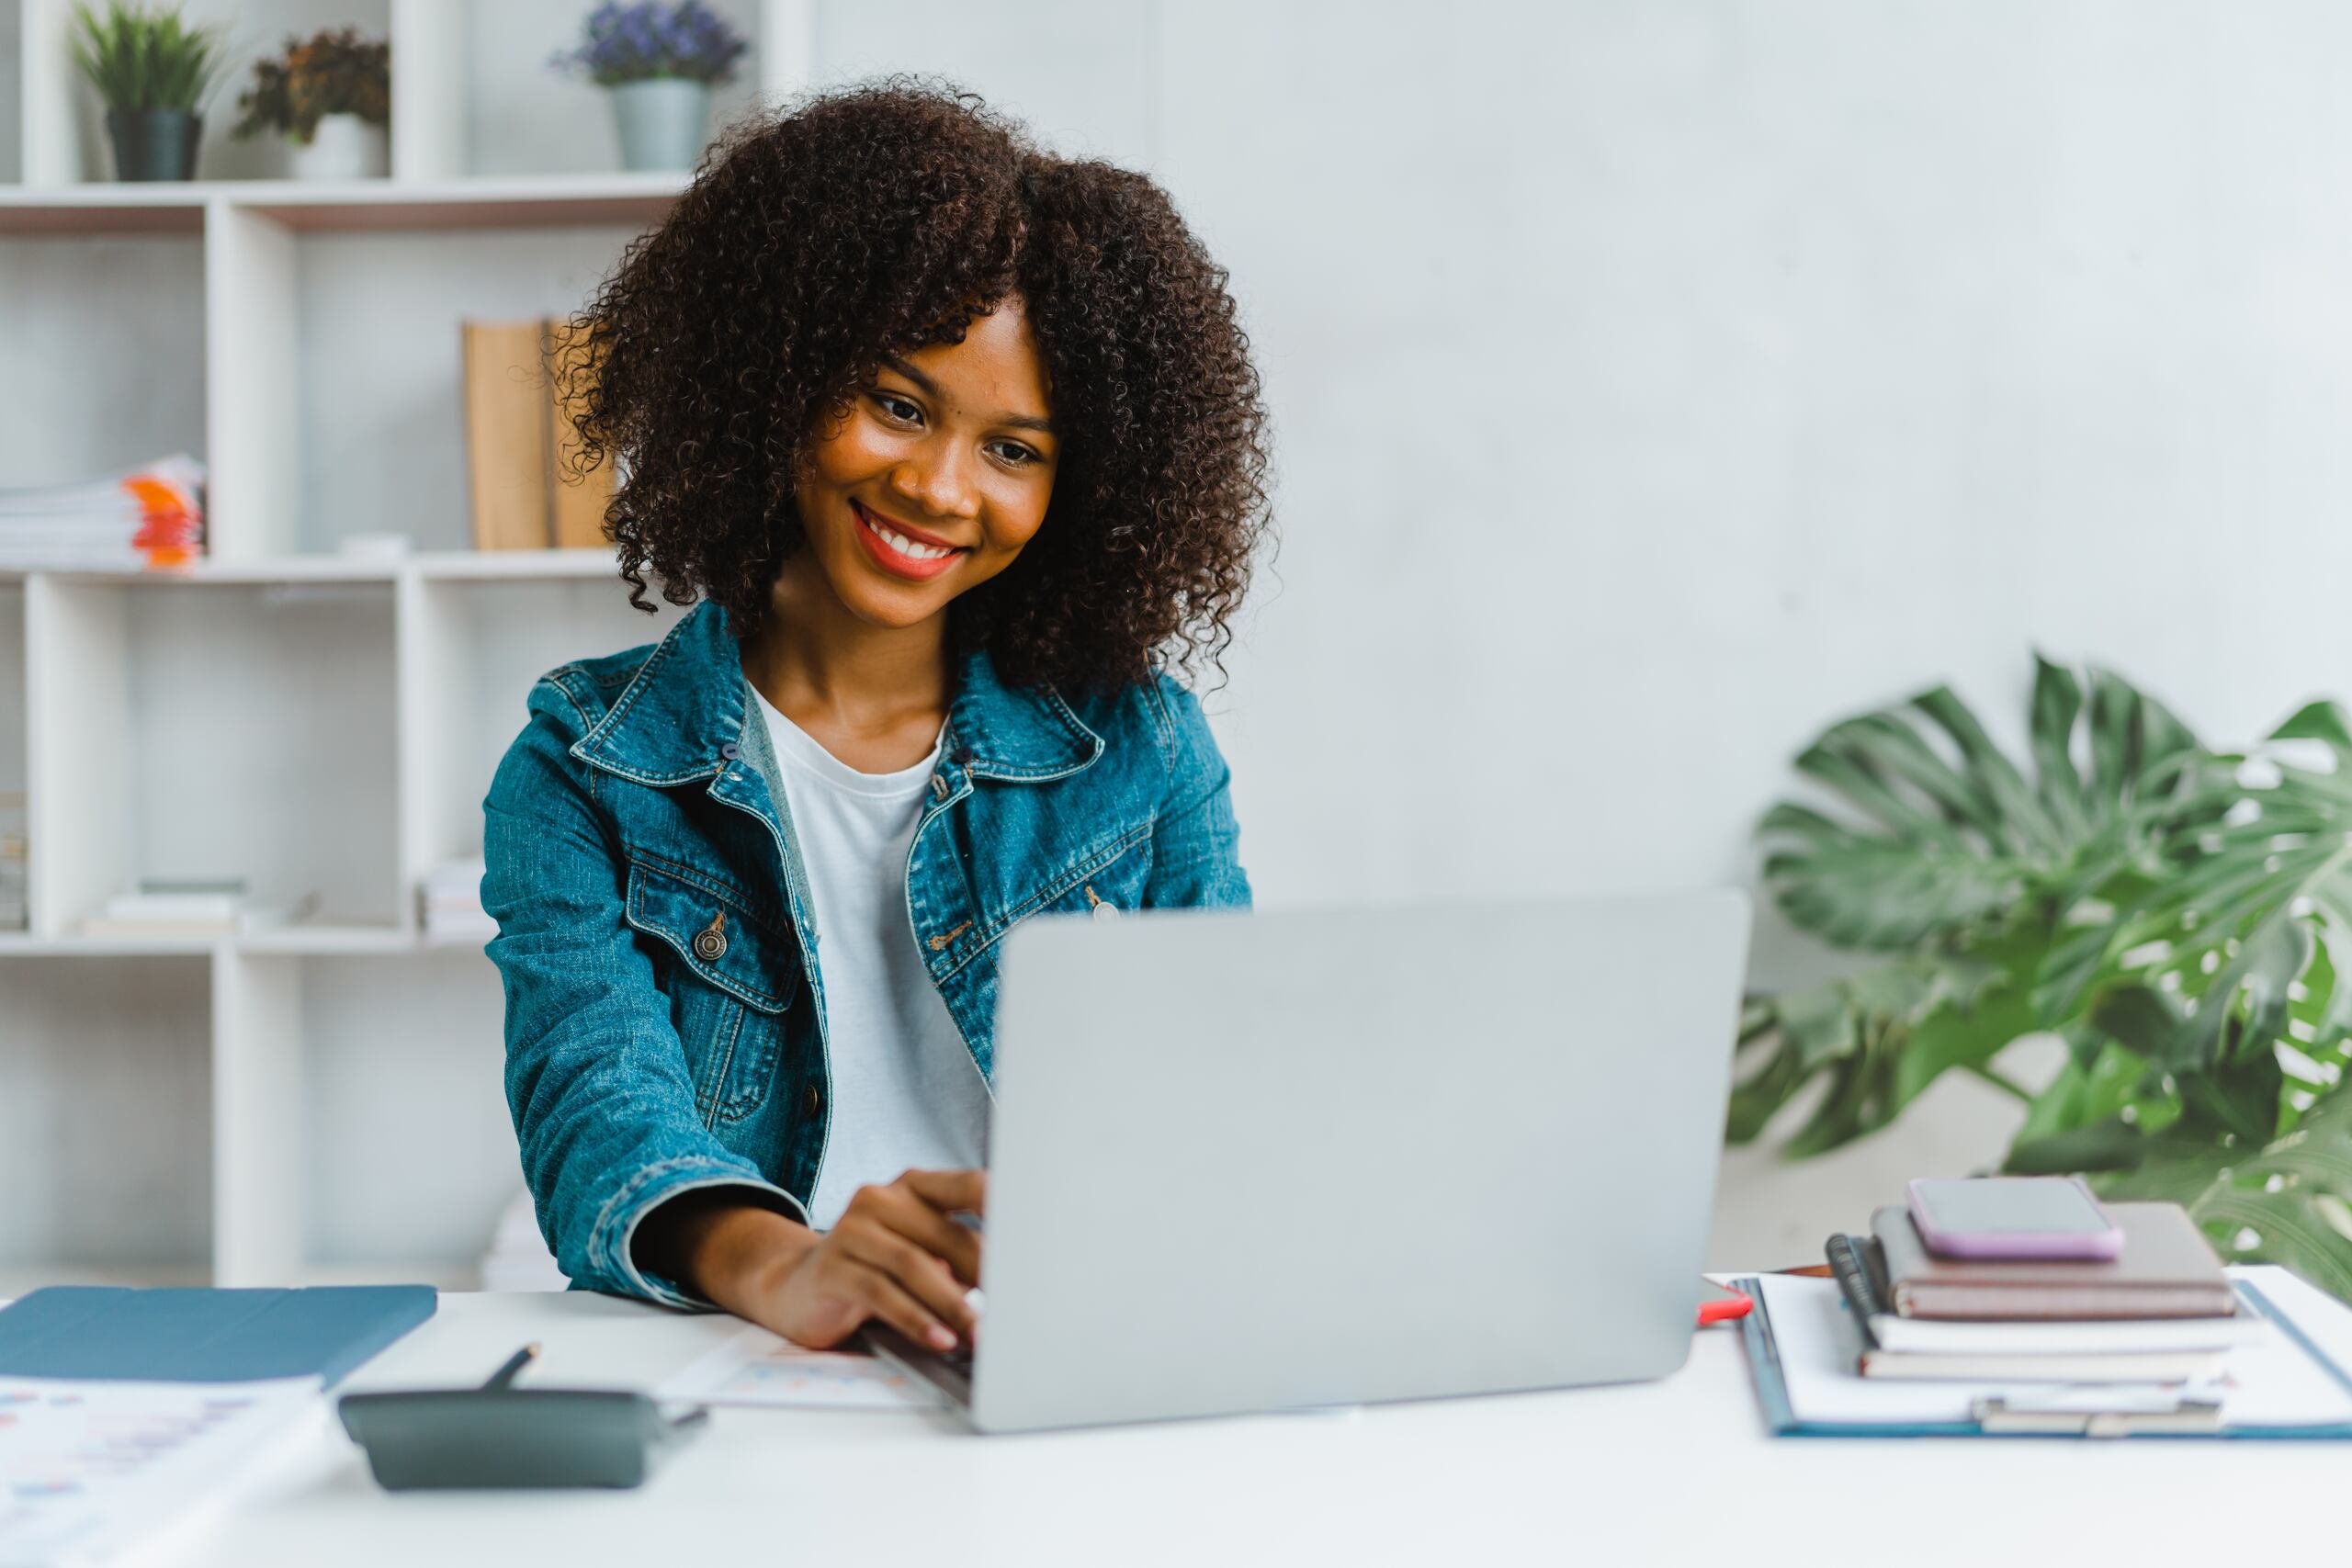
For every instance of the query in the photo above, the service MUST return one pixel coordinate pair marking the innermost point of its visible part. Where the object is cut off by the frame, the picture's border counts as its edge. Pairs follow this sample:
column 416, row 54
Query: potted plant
column 150, row 71
column 2180, row 916
column 660, row 63
column 330, row 96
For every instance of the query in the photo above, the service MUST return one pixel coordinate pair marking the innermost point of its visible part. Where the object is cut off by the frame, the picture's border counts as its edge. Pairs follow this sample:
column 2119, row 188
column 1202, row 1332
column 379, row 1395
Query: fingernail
column 942, row 1339
column 975, row 1302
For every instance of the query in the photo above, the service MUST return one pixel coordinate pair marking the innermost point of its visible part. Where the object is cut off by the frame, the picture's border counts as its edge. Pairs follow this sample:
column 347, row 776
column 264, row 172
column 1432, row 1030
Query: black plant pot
column 154, row 144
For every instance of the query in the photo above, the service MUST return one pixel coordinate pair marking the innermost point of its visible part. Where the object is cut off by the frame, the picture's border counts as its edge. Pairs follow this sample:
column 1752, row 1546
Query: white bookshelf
column 319, row 1100
column 323, row 1101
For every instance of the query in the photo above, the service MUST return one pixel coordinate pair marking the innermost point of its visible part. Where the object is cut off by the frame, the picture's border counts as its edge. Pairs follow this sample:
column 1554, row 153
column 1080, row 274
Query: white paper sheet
column 2270, row 1384
column 760, row 1368
column 92, row 1471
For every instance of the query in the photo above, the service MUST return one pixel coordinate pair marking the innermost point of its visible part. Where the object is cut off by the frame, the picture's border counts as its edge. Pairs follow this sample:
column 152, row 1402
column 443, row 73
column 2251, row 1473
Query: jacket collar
column 683, row 716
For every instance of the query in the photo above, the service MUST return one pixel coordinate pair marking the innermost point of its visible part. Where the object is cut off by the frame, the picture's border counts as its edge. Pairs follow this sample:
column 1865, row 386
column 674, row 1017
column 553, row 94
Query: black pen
column 513, row 1366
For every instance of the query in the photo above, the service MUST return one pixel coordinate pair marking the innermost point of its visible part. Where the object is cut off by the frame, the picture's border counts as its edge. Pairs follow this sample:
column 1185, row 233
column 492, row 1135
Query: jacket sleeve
column 596, row 1076
column 1196, row 845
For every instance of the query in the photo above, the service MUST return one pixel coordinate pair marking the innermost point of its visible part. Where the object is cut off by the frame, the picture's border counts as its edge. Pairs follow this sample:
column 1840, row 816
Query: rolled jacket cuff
column 615, row 1235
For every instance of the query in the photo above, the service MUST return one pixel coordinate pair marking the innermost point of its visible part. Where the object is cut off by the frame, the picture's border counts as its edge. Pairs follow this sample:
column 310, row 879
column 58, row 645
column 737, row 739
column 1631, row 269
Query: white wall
column 1656, row 383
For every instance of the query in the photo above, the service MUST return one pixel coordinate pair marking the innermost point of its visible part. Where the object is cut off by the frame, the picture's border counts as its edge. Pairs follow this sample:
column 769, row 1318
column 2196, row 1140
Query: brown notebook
column 578, row 502
column 507, row 435
column 2166, row 1270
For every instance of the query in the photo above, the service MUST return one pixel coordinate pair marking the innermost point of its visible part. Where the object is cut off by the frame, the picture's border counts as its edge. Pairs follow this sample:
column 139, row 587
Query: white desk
column 1667, row 1472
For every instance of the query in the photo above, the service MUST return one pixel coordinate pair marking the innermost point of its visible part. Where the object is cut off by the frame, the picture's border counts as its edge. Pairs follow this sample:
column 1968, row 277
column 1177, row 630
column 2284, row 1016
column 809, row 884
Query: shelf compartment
column 352, row 342
column 105, row 1146
column 522, row 118
column 107, row 337
column 194, row 729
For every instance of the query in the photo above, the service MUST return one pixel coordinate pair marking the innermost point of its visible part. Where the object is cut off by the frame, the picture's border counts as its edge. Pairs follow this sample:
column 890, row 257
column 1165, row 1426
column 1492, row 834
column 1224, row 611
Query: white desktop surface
column 1665, row 1472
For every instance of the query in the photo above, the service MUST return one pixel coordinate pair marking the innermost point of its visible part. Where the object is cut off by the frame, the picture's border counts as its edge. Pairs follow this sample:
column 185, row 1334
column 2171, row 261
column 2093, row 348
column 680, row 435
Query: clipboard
column 1991, row 1417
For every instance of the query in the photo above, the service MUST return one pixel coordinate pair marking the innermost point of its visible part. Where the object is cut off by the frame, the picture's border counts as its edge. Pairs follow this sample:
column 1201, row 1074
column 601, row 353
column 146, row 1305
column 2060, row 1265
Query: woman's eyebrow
column 929, row 389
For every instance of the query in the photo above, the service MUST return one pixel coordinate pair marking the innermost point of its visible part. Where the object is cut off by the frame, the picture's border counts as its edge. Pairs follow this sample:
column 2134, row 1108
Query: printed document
column 759, row 1368
column 89, row 1471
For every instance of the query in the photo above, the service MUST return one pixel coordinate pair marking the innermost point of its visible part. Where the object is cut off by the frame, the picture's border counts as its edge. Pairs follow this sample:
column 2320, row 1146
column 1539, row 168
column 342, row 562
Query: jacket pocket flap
column 717, row 934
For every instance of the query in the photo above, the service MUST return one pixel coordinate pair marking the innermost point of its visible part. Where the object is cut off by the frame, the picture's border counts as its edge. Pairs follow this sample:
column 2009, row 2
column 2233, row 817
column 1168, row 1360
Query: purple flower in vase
column 638, row 42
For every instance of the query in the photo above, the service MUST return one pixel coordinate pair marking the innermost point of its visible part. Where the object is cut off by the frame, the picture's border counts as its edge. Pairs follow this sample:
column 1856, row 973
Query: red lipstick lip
column 905, row 568
column 917, row 535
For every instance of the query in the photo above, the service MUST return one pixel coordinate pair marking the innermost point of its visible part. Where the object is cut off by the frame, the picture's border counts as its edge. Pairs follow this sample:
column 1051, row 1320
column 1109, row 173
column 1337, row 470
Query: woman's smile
column 901, row 550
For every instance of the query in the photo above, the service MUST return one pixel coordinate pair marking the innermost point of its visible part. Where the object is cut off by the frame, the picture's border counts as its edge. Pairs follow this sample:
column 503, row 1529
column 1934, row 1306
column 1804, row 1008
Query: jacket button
column 729, row 751
column 813, row 1101
column 963, row 754
column 710, row 942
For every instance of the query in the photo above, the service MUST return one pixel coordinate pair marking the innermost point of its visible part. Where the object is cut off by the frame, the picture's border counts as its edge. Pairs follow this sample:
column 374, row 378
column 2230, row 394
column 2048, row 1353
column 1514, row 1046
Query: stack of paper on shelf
column 152, row 516
column 2160, row 1313
column 449, row 904
column 521, row 445
column 190, row 907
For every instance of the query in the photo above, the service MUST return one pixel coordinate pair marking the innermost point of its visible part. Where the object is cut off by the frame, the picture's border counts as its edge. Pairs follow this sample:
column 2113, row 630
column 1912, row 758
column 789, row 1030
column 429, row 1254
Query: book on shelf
column 521, row 446
column 151, row 515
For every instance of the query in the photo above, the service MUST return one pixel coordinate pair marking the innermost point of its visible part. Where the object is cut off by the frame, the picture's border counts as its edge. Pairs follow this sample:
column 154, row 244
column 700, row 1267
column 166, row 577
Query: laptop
column 1249, row 1162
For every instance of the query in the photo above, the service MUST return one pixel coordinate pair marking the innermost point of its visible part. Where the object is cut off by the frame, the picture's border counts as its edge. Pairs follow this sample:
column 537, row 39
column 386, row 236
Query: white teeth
column 905, row 546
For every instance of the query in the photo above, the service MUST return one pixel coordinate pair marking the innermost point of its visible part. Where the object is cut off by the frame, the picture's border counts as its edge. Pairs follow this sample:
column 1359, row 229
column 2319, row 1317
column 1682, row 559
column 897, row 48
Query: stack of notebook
column 2160, row 1313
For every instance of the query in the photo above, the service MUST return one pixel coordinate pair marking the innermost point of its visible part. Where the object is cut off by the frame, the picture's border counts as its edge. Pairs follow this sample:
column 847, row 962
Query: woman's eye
column 897, row 408
column 1013, row 453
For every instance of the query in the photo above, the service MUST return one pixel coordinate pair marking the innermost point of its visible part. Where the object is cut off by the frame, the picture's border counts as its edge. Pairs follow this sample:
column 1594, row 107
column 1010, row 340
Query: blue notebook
column 1766, row 1361
column 112, row 1333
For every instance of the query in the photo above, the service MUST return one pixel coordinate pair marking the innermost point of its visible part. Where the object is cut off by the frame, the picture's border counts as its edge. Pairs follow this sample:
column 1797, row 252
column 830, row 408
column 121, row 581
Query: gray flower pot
column 154, row 144
column 662, row 121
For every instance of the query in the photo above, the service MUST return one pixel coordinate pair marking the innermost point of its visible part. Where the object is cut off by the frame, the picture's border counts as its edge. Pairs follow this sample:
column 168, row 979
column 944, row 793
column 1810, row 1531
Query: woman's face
column 937, row 477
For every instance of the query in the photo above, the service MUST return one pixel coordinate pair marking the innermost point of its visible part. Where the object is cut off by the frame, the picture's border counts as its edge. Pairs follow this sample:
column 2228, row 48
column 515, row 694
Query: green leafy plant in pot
column 330, row 96
column 2180, row 916
column 152, row 71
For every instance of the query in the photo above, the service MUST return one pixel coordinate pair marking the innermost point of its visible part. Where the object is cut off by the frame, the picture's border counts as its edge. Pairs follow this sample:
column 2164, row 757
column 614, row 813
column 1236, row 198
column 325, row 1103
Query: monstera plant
column 2181, row 916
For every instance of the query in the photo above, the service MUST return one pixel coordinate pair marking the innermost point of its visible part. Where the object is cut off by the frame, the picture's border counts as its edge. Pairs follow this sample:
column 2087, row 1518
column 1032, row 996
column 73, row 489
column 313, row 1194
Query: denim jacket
column 665, row 1006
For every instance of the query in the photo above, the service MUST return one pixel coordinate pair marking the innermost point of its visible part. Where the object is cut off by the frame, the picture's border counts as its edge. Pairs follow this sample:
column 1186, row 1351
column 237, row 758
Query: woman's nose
column 937, row 483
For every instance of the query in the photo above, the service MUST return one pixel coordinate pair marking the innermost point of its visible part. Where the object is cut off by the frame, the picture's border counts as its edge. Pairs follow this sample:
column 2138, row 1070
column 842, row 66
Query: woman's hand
column 895, row 1254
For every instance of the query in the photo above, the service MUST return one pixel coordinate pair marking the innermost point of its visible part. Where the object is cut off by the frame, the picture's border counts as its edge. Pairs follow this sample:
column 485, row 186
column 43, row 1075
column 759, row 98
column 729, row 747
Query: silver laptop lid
column 1247, row 1162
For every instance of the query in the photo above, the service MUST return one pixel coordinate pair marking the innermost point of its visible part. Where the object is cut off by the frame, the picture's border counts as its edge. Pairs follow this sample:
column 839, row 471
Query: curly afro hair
column 876, row 220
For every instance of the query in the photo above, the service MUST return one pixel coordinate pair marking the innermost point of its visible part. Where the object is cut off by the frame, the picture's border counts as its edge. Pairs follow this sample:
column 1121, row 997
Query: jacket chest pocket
column 1106, row 879
column 730, row 974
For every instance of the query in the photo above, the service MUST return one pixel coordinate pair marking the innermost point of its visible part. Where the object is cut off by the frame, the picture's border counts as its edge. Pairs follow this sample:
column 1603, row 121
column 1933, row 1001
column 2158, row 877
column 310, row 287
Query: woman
column 955, row 447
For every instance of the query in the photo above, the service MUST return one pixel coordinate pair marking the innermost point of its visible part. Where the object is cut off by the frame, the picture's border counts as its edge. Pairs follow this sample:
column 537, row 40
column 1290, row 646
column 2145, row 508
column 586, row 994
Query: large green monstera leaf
column 2178, row 915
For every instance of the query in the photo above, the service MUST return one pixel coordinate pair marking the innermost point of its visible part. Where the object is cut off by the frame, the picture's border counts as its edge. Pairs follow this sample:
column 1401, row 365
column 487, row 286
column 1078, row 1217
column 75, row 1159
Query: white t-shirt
column 906, row 1093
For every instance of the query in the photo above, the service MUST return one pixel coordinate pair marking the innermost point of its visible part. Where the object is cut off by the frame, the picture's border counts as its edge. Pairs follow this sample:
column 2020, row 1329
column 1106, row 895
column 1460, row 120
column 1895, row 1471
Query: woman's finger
column 952, row 1191
column 928, row 1228
column 920, row 1273
column 893, row 1304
